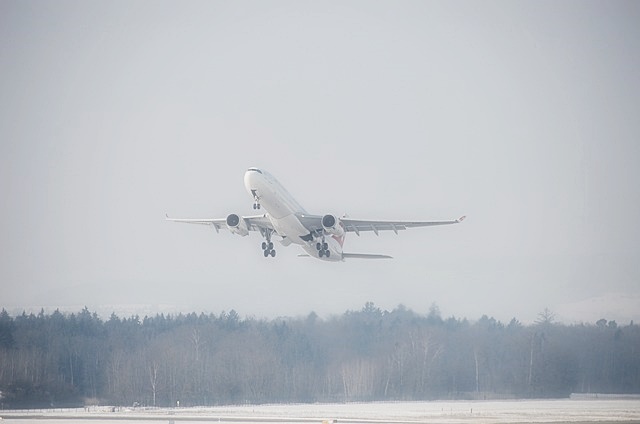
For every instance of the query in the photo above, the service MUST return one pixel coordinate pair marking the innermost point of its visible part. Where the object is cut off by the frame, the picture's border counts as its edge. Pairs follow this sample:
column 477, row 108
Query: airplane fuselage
column 284, row 213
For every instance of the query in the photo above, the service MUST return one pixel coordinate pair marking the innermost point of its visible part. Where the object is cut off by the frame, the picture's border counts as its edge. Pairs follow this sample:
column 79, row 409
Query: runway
column 473, row 412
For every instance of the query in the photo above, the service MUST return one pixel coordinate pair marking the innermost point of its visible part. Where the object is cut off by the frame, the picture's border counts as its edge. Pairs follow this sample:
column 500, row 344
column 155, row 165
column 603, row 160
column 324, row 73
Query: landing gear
column 268, row 253
column 256, row 199
column 267, row 247
column 323, row 249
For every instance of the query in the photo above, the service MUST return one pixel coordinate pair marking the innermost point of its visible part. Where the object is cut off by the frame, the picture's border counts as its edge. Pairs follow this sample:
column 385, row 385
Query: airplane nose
column 250, row 178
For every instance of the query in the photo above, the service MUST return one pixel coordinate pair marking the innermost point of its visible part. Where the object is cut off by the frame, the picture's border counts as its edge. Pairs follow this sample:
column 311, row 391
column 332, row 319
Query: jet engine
column 332, row 225
column 237, row 225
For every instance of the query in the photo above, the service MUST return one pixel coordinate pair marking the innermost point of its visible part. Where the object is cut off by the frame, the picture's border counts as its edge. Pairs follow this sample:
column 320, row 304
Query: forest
column 62, row 360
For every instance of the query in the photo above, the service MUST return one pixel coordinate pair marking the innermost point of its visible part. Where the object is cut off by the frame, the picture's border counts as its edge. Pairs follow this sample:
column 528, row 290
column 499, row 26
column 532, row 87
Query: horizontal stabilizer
column 355, row 256
column 364, row 256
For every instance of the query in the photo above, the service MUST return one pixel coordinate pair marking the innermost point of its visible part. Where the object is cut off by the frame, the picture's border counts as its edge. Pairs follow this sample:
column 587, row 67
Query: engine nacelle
column 237, row 225
column 332, row 225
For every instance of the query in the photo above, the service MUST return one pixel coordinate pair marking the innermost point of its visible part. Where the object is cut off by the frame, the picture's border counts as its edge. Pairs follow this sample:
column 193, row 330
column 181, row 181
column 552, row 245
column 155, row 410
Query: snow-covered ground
column 481, row 412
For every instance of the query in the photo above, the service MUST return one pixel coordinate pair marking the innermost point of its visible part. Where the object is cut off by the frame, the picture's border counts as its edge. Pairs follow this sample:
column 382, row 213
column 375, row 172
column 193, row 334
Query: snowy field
column 482, row 412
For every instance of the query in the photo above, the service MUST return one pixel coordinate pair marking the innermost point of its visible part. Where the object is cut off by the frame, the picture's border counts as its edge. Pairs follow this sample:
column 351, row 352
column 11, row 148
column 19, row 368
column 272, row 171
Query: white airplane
column 321, row 236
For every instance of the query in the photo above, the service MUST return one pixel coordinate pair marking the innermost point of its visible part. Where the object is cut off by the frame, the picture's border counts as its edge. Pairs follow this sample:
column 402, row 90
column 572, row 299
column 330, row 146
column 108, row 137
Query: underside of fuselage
column 315, row 243
column 327, row 250
column 283, row 211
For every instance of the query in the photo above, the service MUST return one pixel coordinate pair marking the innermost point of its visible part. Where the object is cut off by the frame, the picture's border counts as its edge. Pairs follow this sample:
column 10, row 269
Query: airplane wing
column 314, row 223
column 254, row 223
column 358, row 225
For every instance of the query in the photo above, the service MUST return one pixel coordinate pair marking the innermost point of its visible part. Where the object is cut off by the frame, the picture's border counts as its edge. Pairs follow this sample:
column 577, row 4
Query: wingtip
column 462, row 218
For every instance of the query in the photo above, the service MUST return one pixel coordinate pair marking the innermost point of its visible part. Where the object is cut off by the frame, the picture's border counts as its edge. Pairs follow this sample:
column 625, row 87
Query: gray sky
column 522, row 115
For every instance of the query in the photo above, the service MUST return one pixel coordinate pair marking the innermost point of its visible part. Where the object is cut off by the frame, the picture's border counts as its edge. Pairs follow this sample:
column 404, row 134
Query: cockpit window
column 255, row 169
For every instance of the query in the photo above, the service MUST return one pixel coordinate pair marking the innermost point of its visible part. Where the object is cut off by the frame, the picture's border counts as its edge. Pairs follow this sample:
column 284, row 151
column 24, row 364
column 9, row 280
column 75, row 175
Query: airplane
column 320, row 236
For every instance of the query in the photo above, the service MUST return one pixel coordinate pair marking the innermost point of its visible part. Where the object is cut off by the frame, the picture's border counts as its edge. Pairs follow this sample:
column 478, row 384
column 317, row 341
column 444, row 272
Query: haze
column 521, row 115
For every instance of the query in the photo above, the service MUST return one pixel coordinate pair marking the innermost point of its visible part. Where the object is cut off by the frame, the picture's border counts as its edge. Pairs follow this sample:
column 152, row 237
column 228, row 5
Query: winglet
column 462, row 218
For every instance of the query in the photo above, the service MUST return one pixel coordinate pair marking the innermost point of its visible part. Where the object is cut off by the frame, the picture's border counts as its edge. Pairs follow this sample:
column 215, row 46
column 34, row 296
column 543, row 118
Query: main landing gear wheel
column 256, row 205
column 322, row 253
column 323, row 249
column 268, row 250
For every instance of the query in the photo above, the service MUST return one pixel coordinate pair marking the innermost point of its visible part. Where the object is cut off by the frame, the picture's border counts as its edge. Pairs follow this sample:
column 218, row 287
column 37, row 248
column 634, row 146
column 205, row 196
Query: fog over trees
column 74, row 359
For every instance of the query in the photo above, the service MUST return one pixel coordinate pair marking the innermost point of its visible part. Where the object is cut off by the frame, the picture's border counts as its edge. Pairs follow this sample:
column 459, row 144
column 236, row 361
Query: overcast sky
column 522, row 115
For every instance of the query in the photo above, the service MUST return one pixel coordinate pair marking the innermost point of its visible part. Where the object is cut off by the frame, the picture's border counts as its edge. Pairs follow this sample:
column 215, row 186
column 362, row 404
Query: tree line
column 56, row 359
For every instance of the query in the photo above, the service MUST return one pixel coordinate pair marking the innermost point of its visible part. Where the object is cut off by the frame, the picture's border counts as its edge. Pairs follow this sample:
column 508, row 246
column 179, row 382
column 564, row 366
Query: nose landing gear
column 256, row 199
